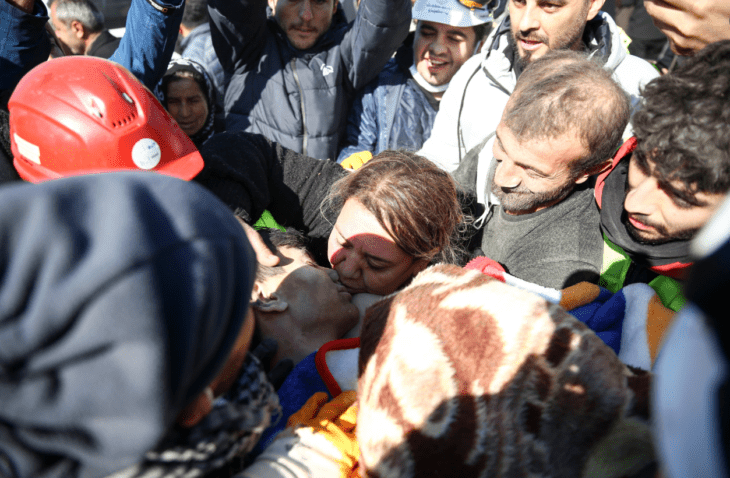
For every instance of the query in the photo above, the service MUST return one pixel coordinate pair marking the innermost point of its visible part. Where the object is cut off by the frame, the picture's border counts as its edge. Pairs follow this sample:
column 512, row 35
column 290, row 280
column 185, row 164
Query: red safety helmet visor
column 81, row 115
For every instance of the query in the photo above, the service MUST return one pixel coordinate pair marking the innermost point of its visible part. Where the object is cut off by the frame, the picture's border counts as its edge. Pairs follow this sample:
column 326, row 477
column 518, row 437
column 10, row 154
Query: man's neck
column 293, row 342
column 90, row 41
column 185, row 31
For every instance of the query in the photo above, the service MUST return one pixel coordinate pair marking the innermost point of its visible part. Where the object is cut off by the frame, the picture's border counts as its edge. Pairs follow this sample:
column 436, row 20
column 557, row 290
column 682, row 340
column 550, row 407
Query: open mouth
column 436, row 64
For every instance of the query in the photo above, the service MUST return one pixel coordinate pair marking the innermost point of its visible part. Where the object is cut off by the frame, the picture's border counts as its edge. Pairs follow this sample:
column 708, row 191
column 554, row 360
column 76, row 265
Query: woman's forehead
column 361, row 228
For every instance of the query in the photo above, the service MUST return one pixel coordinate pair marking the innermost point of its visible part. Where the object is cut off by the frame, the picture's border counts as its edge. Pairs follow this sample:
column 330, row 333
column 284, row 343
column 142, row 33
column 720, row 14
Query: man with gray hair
column 79, row 24
column 561, row 125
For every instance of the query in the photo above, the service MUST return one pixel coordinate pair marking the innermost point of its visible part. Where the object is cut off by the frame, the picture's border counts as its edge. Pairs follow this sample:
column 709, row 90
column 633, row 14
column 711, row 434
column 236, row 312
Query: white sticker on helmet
column 28, row 150
column 146, row 153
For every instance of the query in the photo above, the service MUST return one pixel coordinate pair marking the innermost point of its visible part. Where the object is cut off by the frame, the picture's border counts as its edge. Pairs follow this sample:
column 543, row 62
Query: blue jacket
column 146, row 48
column 300, row 98
column 23, row 42
column 392, row 112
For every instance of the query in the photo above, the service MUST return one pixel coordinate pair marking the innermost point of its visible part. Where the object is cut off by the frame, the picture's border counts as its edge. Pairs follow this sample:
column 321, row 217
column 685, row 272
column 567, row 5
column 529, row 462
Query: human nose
column 437, row 45
column 349, row 267
column 333, row 274
column 506, row 175
column 530, row 18
column 639, row 199
column 306, row 10
column 184, row 109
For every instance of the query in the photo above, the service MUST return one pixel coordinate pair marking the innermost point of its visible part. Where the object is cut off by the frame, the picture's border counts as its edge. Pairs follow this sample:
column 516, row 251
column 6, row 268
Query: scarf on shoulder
column 216, row 446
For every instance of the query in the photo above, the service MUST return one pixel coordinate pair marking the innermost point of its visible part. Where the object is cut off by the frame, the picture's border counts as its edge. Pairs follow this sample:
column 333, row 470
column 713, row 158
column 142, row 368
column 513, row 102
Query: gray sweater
column 555, row 247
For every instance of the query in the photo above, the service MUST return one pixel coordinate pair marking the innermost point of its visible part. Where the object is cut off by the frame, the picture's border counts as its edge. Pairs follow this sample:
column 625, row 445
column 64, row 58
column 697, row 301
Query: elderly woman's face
column 187, row 104
column 364, row 254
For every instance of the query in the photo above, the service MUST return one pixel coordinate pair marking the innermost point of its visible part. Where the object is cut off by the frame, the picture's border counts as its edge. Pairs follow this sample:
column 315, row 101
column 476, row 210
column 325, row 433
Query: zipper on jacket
column 301, row 101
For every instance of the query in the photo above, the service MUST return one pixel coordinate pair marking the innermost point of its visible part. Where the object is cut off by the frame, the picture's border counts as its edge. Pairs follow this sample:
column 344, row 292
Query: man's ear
column 593, row 8
column 268, row 303
column 78, row 29
column 595, row 171
column 272, row 6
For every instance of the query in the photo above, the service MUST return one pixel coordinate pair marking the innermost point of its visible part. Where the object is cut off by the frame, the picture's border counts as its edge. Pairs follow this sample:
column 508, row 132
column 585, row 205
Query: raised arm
column 238, row 29
column 24, row 43
column 362, row 125
column 149, row 39
column 379, row 29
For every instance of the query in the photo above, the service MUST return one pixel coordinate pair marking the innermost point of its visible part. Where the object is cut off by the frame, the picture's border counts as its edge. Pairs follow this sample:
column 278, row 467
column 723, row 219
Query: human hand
column 264, row 255
column 691, row 25
column 356, row 160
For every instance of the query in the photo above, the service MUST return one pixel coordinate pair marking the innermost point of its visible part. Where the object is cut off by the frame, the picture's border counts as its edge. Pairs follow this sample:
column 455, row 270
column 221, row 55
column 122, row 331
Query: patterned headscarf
column 121, row 297
column 463, row 375
column 203, row 80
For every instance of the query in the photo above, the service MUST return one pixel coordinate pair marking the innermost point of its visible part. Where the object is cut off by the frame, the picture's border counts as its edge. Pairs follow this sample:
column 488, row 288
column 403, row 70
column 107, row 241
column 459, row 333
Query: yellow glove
column 335, row 421
column 354, row 161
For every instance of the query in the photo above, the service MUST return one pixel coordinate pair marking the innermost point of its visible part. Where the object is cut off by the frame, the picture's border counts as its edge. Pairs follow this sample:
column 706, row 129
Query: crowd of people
column 374, row 238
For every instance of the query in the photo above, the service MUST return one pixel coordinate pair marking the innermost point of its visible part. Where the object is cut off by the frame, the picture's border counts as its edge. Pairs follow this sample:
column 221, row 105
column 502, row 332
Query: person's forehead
column 291, row 258
column 361, row 228
column 183, row 87
column 546, row 154
column 443, row 27
column 54, row 21
column 678, row 188
column 295, row 254
column 356, row 219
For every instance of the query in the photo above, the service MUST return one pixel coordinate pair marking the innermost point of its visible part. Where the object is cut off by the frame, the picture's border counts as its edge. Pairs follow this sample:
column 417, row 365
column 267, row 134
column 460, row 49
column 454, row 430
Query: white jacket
column 479, row 91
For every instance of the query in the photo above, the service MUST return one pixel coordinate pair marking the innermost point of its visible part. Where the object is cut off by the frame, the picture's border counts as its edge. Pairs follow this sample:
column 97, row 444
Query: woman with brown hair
column 398, row 214
column 379, row 225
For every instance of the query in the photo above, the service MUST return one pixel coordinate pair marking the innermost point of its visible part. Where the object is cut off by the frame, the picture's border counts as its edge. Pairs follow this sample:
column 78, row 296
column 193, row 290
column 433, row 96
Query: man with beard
column 666, row 182
column 561, row 125
column 294, row 72
column 471, row 107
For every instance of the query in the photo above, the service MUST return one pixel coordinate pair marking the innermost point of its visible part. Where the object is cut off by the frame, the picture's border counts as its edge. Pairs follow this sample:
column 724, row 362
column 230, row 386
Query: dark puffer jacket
column 300, row 98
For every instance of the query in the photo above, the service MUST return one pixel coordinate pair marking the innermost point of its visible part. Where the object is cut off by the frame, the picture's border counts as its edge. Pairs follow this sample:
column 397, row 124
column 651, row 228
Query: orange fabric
column 658, row 319
column 578, row 295
column 336, row 422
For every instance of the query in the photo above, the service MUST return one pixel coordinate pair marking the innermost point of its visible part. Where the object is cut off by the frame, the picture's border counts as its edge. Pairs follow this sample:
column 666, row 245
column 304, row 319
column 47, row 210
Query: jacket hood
column 670, row 259
column 121, row 297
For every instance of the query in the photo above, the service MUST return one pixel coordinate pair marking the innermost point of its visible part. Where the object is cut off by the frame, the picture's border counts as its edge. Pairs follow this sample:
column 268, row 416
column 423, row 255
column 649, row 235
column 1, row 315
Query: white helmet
column 457, row 13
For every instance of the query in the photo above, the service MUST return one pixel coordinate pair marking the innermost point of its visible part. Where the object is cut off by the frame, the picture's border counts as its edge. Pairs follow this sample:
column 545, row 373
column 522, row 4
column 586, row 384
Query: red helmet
column 80, row 115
